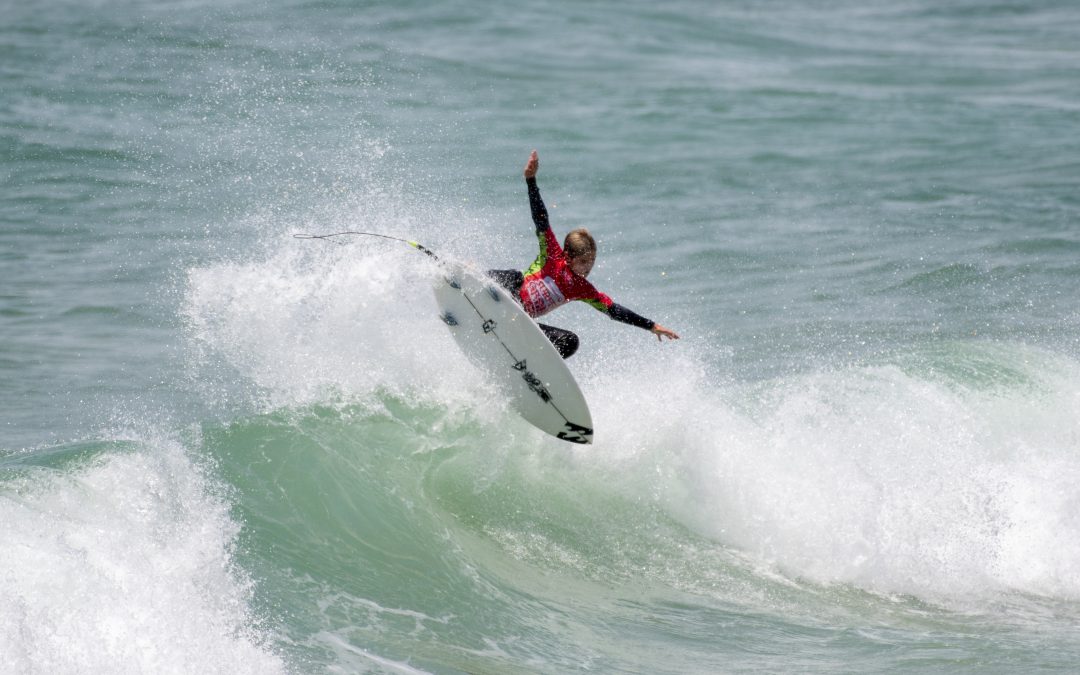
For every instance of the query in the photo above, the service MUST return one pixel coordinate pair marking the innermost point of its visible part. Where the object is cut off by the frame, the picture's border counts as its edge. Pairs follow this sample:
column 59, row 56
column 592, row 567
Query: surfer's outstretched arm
column 632, row 318
column 539, row 211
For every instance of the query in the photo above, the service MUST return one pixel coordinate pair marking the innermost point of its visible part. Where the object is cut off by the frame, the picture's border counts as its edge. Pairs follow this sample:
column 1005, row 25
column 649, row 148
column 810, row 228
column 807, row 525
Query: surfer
column 558, row 276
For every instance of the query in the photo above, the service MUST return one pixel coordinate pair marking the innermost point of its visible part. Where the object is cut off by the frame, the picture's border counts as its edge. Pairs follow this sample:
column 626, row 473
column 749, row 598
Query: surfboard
column 498, row 337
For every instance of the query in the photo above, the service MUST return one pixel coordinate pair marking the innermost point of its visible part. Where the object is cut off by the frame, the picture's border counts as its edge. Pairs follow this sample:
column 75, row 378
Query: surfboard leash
column 329, row 237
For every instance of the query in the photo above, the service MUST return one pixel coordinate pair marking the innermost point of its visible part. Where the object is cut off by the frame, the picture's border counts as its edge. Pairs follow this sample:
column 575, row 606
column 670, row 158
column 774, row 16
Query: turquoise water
column 223, row 449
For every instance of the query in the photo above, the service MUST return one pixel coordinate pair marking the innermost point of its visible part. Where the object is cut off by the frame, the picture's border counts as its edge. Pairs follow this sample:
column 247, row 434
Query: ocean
column 224, row 449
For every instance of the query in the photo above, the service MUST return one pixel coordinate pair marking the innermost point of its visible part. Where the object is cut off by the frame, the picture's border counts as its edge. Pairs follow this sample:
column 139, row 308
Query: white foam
column 309, row 321
column 869, row 476
column 123, row 566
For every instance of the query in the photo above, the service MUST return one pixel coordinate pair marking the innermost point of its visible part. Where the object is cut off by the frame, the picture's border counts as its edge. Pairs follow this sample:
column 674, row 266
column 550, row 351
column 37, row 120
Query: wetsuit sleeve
column 614, row 310
column 620, row 313
column 539, row 211
column 549, row 245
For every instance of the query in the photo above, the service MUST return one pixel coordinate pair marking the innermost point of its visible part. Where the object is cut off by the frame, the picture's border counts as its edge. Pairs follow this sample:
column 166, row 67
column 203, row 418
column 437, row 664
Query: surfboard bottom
column 498, row 336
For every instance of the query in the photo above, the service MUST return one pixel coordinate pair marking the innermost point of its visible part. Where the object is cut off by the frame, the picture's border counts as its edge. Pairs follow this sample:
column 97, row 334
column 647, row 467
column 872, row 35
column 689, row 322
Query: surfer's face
column 582, row 264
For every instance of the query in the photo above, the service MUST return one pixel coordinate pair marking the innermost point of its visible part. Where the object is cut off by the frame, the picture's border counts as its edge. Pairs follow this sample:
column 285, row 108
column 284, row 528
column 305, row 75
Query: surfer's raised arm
column 558, row 274
column 539, row 211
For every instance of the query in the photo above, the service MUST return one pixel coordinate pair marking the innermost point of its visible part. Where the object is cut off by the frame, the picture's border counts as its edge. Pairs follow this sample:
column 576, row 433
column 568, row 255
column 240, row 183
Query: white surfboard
column 502, row 340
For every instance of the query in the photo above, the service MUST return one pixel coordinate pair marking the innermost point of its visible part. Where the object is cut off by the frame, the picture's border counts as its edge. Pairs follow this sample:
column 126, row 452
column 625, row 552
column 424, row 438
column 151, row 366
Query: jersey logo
column 542, row 295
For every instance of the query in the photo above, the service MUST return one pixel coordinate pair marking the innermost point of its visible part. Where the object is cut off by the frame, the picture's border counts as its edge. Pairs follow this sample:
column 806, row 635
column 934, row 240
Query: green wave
column 425, row 537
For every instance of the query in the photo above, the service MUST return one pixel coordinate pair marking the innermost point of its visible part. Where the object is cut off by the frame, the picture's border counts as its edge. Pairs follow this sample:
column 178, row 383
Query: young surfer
column 558, row 276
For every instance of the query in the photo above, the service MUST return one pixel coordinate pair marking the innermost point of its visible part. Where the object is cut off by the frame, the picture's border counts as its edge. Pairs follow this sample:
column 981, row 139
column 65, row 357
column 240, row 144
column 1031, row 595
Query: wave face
column 397, row 531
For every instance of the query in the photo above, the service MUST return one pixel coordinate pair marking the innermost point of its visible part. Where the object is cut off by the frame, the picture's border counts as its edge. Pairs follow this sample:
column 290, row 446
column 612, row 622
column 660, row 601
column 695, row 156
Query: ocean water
column 227, row 450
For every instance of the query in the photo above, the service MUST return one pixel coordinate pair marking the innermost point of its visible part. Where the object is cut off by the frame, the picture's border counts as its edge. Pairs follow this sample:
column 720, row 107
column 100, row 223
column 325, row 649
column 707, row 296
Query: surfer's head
column 580, row 249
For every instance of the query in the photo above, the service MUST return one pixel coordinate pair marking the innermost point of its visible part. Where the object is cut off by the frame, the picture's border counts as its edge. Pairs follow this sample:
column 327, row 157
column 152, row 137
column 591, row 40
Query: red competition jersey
column 550, row 283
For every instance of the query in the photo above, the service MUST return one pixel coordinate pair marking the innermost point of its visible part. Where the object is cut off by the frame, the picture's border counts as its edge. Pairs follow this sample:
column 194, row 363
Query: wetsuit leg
column 565, row 341
column 511, row 280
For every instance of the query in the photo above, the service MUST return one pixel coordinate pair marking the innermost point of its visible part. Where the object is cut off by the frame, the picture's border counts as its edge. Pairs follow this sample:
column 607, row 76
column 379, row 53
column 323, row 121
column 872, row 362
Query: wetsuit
column 549, row 283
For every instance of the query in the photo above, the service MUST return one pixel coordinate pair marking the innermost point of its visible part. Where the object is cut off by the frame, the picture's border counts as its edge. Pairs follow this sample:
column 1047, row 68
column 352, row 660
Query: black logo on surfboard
column 575, row 433
column 536, row 386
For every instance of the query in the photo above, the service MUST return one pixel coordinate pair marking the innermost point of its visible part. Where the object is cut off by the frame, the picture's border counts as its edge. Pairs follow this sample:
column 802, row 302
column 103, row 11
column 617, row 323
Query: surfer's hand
column 660, row 332
column 532, row 165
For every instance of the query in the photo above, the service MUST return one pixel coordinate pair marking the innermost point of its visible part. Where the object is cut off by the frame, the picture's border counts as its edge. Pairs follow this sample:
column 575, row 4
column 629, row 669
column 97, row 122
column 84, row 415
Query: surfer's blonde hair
column 578, row 243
